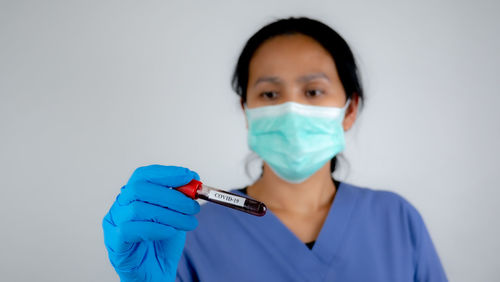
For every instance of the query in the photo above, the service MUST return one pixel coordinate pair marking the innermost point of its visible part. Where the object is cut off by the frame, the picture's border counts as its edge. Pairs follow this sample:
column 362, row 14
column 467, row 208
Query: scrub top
column 368, row 235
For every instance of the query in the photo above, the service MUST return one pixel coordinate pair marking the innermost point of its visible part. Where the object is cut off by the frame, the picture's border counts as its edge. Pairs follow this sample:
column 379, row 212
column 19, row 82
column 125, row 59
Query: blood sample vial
column 197, row 190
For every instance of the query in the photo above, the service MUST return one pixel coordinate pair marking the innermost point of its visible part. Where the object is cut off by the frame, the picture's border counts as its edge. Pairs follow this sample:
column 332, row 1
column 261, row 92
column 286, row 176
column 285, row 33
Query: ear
column 351, row 112
column 242, row 104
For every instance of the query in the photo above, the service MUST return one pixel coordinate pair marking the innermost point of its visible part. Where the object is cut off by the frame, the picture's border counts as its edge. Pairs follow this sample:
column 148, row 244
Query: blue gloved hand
column 145, row 229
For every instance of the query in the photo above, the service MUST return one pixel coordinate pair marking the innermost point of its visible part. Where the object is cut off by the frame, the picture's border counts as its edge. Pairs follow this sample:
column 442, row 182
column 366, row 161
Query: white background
column 90, row 90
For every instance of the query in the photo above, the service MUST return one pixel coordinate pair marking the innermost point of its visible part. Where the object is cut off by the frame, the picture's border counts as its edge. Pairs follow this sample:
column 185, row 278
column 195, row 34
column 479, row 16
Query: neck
column 314, row 194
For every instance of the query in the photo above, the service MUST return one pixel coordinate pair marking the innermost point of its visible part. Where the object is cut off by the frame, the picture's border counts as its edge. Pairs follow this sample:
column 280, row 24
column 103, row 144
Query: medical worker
column 300, row 91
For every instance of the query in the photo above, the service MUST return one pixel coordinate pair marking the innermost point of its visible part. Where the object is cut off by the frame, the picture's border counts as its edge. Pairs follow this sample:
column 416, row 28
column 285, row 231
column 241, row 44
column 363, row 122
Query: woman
column 300, row 91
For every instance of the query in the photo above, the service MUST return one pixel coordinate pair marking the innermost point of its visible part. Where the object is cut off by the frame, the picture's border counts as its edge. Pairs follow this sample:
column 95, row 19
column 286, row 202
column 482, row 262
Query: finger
column 140, row 211
column 113, row 243
column 158, row 195
column 136, row 231
column 169, row 176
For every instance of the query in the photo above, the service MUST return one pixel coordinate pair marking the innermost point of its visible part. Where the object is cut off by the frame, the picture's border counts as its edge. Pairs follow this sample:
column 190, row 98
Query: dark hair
column 323, row 34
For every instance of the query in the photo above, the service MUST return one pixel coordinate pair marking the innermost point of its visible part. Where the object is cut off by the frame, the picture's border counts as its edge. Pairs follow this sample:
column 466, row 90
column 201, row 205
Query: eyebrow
column 271, row 79
column 305, row 78
column 312, row 76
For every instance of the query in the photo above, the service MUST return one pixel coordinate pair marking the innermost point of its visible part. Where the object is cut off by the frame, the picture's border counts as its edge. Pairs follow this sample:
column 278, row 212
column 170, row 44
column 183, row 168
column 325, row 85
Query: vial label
column 226, row 198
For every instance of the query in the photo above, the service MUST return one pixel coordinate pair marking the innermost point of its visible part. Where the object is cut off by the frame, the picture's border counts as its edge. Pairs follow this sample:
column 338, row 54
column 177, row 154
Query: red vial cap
column 190, row 188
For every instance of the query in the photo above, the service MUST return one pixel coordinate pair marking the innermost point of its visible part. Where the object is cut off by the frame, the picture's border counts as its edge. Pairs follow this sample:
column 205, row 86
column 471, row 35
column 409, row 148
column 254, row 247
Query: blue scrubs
column 368, row 235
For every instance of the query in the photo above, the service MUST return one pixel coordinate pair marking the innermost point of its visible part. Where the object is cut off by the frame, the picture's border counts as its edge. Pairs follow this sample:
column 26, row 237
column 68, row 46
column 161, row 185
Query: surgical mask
column 294, row 139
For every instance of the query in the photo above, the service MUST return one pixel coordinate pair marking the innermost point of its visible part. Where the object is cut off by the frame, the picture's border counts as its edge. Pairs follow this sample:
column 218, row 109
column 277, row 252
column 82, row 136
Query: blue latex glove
column 145, row 229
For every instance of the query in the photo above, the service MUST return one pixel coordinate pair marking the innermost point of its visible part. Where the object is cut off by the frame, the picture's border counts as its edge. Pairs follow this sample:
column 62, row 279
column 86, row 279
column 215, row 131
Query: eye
column 269, row 95
column 314, row 93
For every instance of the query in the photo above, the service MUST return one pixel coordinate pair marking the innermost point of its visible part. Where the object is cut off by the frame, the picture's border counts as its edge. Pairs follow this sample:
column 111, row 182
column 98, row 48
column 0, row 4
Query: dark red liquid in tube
column 197, row 190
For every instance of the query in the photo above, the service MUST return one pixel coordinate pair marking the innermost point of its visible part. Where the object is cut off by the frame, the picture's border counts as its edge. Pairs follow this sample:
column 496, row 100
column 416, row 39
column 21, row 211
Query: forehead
column 290, row 55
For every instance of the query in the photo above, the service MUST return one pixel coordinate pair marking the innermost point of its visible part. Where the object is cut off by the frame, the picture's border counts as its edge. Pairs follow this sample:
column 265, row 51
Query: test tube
column 197, row 190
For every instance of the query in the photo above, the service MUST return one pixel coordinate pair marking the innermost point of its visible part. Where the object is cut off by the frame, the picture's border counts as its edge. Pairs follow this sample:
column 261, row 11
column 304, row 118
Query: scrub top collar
column 313, row 264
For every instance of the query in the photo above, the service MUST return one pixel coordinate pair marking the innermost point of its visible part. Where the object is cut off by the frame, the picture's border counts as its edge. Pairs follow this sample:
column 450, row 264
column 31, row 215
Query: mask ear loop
column 344, row 108
column 346, row 104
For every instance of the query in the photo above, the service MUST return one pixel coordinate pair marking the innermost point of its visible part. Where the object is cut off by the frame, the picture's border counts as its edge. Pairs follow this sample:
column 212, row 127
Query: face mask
column 296, row 140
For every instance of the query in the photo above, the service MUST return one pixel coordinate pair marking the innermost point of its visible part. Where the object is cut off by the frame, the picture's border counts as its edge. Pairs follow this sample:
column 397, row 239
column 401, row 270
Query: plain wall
column 90, row 90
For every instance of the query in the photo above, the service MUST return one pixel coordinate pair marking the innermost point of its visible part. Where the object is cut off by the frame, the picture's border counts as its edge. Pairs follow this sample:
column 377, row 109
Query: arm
column 428, row 266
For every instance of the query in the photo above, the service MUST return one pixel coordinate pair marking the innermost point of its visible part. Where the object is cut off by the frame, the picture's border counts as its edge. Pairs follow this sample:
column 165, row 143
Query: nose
column 293, row 94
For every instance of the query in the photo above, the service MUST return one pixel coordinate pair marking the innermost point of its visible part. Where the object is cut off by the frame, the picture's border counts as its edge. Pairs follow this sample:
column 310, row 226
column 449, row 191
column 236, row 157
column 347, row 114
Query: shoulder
column 379, row 199
column 385, row 212
column 385, row 207
column 398, row 226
